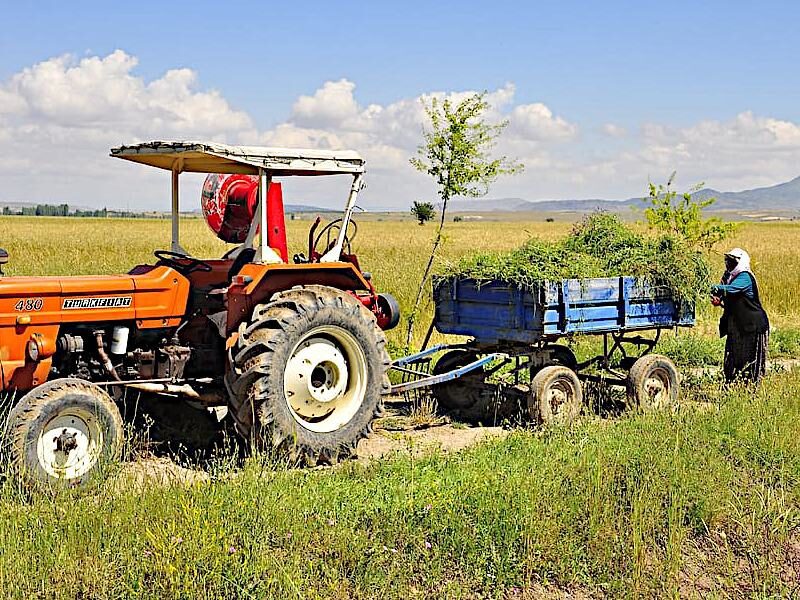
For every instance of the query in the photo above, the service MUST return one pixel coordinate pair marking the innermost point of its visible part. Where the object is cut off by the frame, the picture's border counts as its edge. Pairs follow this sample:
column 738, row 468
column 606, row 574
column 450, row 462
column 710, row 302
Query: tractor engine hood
column 154, row 296
column 35, row 308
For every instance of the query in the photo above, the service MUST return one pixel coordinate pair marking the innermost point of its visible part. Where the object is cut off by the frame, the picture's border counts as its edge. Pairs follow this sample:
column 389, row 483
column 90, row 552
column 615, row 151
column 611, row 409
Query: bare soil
column 442, row 437
column 159, row 454
column 177, row 454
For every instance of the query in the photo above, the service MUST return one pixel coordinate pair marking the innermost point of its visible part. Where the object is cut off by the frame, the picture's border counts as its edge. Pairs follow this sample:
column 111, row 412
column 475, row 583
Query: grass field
column 393, row 251
column 701, row 502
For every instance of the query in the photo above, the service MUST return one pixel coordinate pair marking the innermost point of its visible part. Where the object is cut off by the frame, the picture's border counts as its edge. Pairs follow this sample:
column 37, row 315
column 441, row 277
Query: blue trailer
column 515, row 330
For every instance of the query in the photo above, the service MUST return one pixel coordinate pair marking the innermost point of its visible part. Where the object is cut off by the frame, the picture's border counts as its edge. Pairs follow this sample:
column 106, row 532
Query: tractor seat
column 245, row 256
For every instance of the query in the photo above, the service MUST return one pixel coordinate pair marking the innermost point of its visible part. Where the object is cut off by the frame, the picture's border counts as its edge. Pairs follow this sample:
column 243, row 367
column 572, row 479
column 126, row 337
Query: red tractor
column 294, row 349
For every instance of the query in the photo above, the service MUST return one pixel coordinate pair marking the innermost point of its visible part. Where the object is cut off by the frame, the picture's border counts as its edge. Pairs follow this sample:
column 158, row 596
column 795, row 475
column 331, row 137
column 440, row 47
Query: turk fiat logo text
column 108, row 302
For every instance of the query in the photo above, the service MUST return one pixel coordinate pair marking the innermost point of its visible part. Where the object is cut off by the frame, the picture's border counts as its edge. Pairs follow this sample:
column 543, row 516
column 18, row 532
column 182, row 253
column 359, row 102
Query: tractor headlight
column 32, row 350
column 40, row 347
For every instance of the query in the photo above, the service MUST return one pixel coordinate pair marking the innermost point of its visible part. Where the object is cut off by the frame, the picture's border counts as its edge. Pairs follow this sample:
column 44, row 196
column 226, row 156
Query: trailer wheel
column 63, row 433
column 556, row 395
column 308, row 374
column 462, row 393
column 653, row 382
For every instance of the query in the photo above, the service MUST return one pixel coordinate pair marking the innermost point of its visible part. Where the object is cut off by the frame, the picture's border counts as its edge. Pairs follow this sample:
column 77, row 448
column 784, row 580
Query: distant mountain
column 784, row 196
column 780, row 197
column 303, row 208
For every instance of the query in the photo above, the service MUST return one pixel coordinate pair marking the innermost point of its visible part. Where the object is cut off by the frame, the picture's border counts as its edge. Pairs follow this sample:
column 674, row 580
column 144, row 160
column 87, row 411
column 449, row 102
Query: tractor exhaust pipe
column 101, row 352
column 186, row 390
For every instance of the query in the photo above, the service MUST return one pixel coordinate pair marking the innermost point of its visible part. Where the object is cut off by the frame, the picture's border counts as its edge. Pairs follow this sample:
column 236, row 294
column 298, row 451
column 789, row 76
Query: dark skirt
column 745, row 356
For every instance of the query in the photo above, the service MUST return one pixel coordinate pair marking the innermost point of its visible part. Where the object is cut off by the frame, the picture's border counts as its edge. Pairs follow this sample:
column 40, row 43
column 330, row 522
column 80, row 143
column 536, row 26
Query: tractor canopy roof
column 212, row 157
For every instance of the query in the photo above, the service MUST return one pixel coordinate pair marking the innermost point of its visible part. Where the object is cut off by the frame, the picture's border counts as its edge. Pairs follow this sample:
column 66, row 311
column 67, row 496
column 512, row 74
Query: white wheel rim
column 70, row 444
column 558, row 395
column 325, row 380
column 656, row 387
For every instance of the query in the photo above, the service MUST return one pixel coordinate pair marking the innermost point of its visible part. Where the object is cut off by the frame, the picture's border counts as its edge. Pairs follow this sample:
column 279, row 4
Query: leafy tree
column 456, row 153
column 682, row 216
column 423, row 211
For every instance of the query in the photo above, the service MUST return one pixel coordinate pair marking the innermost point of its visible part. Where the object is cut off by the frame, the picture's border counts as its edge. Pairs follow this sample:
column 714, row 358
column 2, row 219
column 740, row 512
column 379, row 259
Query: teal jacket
column 741, row 284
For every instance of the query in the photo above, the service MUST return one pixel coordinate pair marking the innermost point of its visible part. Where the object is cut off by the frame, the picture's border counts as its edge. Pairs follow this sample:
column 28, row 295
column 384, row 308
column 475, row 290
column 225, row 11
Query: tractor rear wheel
column 63, row 433
column 308, row 374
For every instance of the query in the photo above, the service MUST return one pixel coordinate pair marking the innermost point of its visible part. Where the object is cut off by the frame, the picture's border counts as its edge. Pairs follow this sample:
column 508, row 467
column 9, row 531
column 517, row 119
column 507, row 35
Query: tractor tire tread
column 264, row 337
column 29, row 407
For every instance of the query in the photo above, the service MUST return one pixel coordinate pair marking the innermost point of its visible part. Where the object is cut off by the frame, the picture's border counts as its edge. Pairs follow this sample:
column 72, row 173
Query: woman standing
column 744, row 320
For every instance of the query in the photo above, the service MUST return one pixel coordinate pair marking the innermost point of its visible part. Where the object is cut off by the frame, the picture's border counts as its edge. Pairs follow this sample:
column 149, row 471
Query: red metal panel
column 276, row 223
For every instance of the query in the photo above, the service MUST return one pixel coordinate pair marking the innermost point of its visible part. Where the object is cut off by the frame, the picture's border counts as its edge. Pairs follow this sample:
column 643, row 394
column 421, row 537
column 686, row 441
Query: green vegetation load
column 599, row 246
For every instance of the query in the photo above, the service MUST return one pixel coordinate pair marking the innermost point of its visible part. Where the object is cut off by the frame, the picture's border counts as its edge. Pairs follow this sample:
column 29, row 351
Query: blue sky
column 642, row 83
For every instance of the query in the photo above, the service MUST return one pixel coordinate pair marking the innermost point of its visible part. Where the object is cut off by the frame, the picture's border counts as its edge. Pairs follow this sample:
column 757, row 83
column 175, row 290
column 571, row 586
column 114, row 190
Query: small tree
column 683, row 216
column 456, row 153
column 423, row 211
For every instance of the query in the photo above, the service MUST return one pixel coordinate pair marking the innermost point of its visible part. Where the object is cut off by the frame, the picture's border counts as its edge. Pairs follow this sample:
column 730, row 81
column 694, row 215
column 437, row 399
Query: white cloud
column 97, row 92
column 745, row 151
column 613, row 130
column 330, row 105
column 71, row 111
column 536, row 122
column 59, row 117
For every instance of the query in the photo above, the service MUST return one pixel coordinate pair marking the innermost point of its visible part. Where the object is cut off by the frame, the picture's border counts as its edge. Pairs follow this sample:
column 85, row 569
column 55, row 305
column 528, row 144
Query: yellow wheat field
column 394, row 251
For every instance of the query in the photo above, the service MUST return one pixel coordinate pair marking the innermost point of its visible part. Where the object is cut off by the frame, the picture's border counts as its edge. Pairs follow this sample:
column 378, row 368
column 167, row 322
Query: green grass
column 692, row 349
column 624, row 508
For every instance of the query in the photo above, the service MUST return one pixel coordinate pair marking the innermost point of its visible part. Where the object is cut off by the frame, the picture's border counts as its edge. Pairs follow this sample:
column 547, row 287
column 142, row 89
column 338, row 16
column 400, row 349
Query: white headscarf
column 742, row 266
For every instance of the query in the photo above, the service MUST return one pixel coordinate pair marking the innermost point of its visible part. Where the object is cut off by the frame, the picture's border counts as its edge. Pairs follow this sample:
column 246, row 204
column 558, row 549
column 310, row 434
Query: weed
column 600, row 246
column 611, row 506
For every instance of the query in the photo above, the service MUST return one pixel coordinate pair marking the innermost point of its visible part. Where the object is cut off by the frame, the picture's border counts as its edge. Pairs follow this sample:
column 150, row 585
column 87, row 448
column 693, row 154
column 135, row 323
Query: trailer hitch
column 426, row 380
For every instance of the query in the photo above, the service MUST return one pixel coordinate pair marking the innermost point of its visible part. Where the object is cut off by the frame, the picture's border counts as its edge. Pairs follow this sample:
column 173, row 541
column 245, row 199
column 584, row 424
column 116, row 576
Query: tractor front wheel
column 63, row 433
column 308, row 374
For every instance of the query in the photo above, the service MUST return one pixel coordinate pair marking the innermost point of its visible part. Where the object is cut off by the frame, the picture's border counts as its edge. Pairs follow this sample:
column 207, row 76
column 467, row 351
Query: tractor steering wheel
column 331, row 233
column 182, row 263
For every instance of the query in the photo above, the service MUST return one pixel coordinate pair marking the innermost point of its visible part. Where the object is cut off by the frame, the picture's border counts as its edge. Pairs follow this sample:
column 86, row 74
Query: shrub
column 599, row 246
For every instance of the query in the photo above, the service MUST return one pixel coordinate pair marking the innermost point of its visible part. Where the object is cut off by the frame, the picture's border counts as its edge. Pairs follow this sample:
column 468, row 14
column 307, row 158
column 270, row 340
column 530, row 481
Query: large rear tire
column 308, row 374
column 63, row 434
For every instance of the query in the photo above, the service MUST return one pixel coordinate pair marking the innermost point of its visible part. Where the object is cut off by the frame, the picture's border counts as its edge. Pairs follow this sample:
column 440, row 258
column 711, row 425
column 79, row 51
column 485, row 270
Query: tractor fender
column 257, row 283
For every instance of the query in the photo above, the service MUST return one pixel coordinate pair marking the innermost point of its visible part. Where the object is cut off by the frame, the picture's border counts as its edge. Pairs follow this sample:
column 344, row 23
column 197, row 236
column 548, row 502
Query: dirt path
column 395, row 434
column 438, row 438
